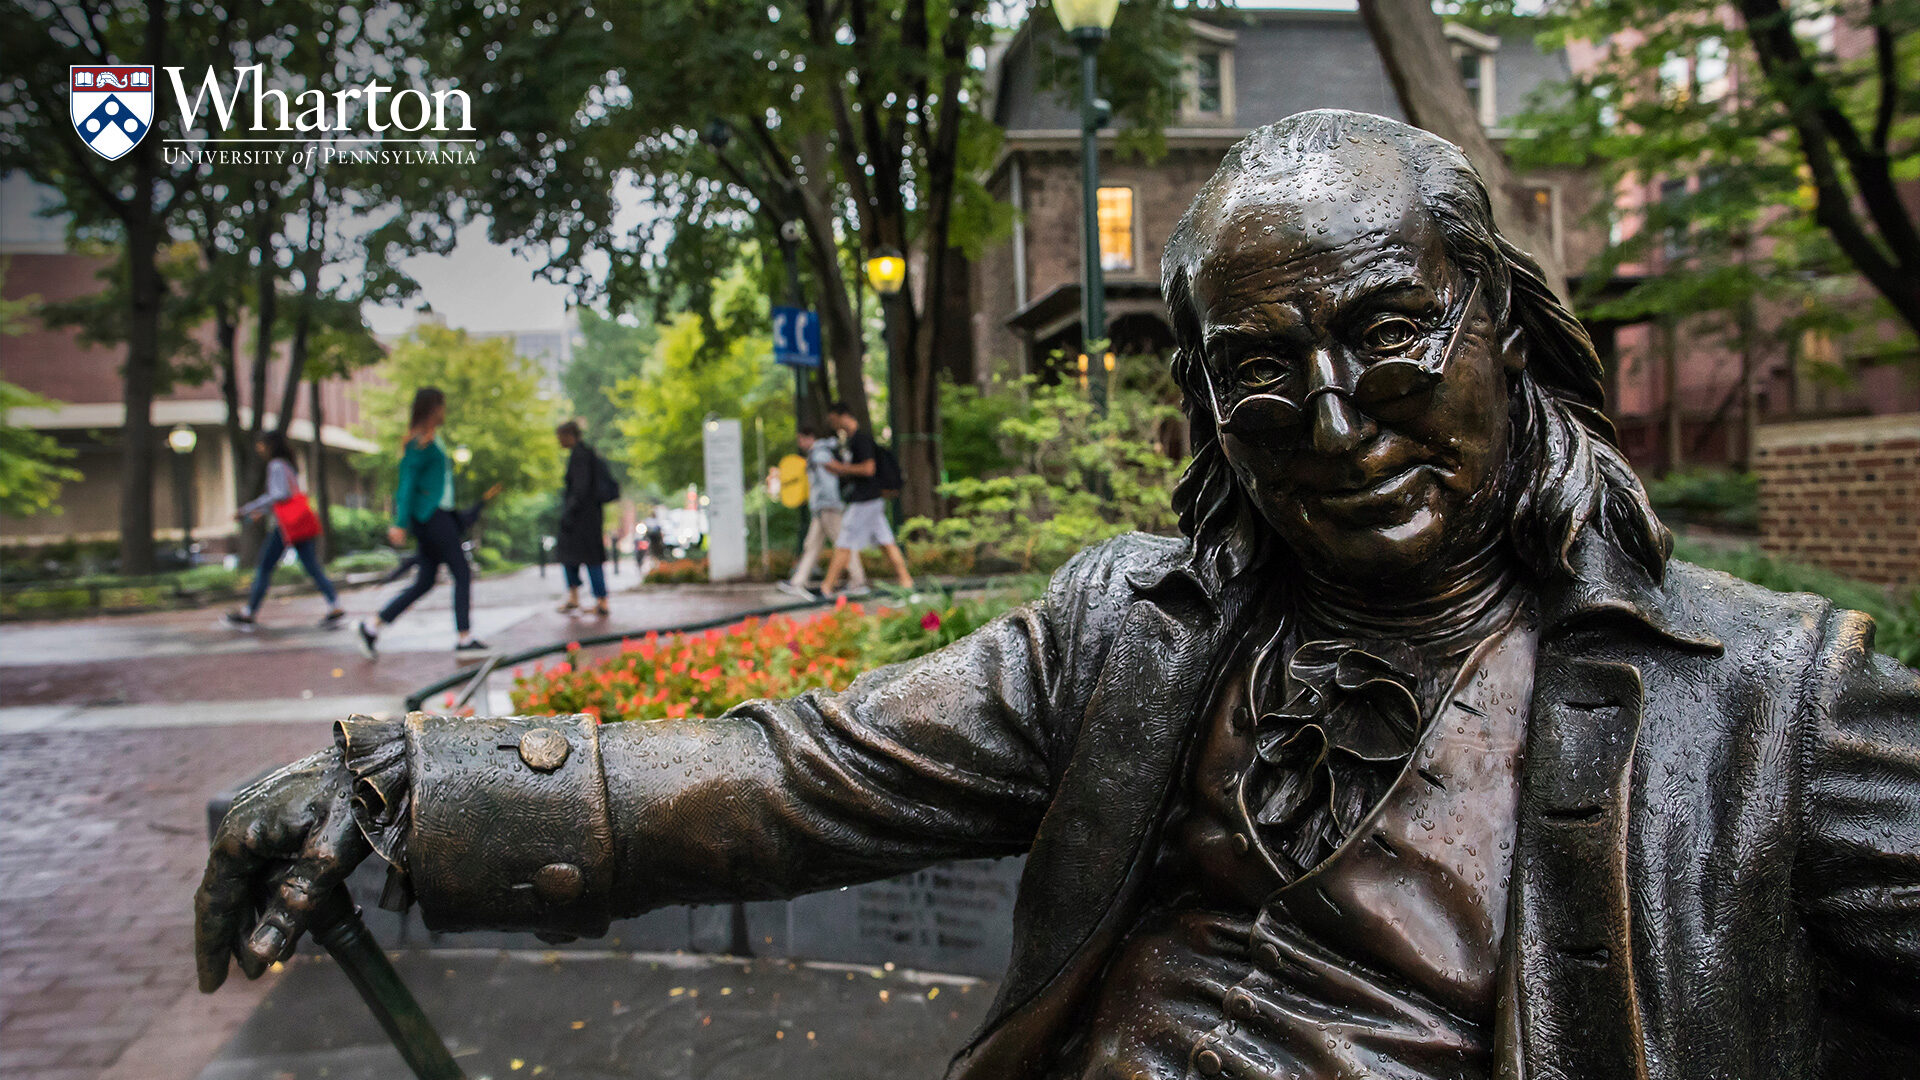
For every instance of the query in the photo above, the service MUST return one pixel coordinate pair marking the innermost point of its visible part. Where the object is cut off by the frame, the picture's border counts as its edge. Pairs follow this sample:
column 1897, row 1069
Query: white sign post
column 726, row 502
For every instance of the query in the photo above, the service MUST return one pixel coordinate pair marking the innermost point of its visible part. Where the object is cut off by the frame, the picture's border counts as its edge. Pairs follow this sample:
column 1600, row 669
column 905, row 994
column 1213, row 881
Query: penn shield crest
column 111, row 106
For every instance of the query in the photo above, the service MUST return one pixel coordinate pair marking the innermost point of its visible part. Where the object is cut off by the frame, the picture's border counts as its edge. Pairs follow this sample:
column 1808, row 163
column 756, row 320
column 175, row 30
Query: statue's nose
column 1337, row 426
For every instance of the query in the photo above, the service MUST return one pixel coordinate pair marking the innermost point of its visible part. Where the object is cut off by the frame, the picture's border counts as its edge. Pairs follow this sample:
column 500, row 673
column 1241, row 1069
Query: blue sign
column 796, row 337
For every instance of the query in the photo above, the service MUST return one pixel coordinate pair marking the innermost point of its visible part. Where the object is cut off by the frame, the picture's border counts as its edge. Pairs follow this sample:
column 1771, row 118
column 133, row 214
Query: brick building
column 85, row 384
column 1843, row 494
column 1247, row 68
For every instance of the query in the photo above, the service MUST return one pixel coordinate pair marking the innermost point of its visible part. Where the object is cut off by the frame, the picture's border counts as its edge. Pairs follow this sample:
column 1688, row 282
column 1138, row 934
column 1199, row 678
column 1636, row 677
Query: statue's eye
column 1390, row 333
column 1259, row 374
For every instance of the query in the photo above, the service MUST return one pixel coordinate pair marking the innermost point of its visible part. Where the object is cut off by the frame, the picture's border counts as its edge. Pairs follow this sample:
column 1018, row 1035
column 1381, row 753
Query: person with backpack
column 294, row 525
column 582, row 538
column 869, row 474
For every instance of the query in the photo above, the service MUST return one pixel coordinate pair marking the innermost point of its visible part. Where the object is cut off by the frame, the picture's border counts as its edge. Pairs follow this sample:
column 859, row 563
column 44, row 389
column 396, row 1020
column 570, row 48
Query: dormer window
column 1473, row 51
column 1209, row 74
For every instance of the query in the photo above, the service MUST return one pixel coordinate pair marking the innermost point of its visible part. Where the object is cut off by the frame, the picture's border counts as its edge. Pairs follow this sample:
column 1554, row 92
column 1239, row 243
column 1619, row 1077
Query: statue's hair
column 1563, row 470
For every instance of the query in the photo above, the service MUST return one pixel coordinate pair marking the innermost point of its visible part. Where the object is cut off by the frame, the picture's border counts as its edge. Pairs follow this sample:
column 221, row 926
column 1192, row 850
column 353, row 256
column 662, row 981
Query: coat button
column 1240, row 1005
column 1208, row 1062
column 1268, row 955
column 559, row 883
column 544, row 749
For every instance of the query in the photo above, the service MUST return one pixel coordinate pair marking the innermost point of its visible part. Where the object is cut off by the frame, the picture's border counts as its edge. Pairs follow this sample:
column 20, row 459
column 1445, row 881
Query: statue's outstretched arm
column 561, row 824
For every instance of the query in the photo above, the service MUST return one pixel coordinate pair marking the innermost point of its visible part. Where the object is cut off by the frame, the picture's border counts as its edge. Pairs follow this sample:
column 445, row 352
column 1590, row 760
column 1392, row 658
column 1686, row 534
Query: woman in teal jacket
column 423, row 506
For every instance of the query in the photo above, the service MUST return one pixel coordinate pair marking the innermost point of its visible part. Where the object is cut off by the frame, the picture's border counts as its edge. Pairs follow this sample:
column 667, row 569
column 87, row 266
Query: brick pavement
column 105, row 833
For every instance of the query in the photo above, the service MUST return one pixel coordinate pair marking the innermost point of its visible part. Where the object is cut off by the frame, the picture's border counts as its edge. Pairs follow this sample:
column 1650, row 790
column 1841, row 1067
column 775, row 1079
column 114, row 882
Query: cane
column 337, row 926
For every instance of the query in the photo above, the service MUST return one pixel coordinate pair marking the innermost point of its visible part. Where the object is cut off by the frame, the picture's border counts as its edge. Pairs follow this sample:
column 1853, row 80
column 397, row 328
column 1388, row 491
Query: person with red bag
column 294, row 525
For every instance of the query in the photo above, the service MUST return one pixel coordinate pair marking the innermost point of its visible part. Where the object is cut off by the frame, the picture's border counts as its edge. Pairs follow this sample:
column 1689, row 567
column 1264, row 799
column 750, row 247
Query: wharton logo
column 111, row 106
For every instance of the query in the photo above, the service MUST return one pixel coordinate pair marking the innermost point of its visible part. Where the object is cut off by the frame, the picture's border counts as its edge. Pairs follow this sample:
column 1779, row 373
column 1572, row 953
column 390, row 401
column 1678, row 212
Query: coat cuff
column 508, row 825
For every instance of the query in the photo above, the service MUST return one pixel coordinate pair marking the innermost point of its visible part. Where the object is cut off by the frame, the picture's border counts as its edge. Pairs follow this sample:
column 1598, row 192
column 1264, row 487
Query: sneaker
column 332, row 620
column 568, row 607
column 238, row 620
column 369, row 641
column 601, row 610
column 471, row 645
column 798, row 591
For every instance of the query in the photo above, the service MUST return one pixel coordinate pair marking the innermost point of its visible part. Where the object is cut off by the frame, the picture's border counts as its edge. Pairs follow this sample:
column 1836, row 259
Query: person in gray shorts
column 825, row 506
column 864, row 523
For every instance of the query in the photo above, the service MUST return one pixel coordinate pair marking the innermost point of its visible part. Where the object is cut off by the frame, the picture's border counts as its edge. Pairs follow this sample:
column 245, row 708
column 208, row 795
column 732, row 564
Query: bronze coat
column 1718, row 863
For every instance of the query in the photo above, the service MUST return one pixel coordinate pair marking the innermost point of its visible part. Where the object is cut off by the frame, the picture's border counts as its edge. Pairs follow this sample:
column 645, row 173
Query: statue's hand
column 288, row 841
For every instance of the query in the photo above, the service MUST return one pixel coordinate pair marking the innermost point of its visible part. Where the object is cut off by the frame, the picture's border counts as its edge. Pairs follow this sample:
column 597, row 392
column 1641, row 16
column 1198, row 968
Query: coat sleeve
column 563, row 824
column 410, row 463
column 1859, row 866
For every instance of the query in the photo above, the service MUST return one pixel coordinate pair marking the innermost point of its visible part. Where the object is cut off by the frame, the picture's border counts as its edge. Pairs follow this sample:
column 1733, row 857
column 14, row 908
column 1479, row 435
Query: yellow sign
column 793, row 480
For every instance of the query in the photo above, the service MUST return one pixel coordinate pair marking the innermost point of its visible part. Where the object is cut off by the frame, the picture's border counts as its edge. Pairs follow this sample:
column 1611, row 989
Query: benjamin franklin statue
column 1416, row 756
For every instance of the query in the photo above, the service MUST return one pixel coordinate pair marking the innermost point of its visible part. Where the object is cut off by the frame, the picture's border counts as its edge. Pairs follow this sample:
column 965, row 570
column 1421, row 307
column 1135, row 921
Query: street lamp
column 462, row 455
column 1086, row 22
column 182, row 440
column 887, row 272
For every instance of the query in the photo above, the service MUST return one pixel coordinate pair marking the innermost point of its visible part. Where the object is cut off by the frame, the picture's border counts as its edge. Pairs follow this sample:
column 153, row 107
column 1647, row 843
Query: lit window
column 1207, row 96
column 1116, row 228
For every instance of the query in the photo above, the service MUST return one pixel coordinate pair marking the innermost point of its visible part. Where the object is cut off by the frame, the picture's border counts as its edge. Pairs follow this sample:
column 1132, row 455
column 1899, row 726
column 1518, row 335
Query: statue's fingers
column 289, row 911
column 222, row 908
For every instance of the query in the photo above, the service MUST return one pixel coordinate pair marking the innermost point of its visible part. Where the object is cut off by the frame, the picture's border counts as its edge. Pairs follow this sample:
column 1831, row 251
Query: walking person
column 825, row 508
column 423, row 506
column 294, row 525
column 864, row 522
column 582, row 539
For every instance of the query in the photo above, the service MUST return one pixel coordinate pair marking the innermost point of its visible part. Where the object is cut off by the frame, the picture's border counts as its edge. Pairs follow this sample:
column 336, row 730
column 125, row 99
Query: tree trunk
column 1670, row 375
column 142, row 377
column 1426, row 79
column 317, row 469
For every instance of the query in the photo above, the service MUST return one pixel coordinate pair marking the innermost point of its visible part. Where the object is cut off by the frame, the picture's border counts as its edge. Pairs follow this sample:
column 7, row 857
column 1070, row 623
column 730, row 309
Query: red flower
column 930, row 621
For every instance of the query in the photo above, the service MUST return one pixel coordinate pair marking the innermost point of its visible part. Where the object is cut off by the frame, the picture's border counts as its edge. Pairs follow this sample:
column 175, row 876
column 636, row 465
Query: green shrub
column 1077, row 479
column 365, row 562
column 357, row 529
column 1706, row 496
column 1897, row 616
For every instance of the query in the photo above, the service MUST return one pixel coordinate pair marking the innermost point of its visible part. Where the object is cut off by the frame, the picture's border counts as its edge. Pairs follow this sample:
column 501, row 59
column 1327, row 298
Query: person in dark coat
column 581, row 538
column 1416, row 755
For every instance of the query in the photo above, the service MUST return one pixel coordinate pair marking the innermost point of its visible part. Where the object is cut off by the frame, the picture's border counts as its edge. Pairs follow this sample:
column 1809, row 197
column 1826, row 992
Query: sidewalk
column 116, row 730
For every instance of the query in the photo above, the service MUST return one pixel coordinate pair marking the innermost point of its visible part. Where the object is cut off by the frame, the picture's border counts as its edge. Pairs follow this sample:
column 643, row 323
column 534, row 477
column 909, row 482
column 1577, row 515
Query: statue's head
column 1374, row 374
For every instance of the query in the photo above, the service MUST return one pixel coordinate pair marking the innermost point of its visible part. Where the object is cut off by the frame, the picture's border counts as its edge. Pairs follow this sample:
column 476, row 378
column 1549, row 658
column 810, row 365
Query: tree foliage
column 1771, row 143
column 688, row 377
column 856, row 122
column 611, row 351
column 30, row 469
column 494, row 408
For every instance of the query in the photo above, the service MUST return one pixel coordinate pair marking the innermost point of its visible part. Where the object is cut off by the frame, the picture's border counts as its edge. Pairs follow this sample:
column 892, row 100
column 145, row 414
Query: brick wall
column 1843, row 494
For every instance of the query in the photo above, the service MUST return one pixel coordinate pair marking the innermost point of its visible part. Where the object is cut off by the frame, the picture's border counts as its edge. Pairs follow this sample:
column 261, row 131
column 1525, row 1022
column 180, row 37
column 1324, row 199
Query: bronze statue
column 1415, row 757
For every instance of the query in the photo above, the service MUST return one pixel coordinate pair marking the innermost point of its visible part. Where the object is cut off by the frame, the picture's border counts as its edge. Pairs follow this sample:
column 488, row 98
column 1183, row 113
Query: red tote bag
column 297, row 520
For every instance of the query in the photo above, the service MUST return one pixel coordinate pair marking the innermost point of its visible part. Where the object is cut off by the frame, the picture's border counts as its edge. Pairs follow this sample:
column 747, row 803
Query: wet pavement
column 114, row 732
column 637, row 1016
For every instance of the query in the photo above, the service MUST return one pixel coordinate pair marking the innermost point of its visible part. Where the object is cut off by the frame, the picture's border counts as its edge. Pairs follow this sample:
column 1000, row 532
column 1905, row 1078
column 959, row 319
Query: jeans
column 437, row 541
column 307, row 551
column 596, row 577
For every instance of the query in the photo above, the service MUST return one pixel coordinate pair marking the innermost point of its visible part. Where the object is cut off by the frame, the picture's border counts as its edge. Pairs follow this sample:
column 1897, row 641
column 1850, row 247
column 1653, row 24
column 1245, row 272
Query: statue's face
column 1363, row 401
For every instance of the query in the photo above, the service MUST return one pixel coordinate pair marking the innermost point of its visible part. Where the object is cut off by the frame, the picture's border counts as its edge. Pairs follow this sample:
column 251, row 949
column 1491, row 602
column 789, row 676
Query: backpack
column 886, row 470
column 605, row 489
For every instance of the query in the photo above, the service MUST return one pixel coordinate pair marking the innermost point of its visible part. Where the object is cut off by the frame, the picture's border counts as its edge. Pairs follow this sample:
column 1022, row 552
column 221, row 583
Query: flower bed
column 655, row 677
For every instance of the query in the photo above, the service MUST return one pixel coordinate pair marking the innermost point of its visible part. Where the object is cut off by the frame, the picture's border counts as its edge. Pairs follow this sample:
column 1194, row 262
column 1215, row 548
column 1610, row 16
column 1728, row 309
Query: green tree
column 30, row 469
column 494, row 409
column 690, row 377
column 1774, row 153
column 856, row 123
column 611, row 351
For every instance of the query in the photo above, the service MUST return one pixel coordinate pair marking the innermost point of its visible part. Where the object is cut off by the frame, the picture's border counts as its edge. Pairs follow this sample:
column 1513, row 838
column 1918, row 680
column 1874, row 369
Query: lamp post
column 887, row 272
column 182, row 440
column 1086, row 22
